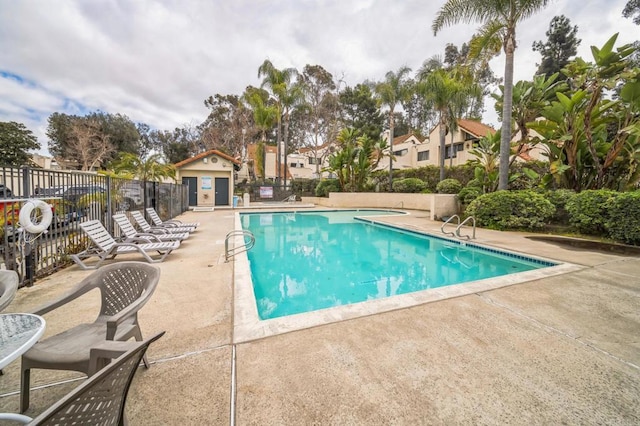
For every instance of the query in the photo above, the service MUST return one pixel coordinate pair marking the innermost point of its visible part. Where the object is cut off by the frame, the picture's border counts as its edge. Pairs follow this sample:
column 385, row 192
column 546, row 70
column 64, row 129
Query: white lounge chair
column 130, row 232
column 146, row 227
column 172, row 222
column 105, row 247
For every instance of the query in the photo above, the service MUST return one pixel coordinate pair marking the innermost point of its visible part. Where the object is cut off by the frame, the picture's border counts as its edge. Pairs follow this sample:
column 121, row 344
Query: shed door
column 222, row 191
column 192, row 183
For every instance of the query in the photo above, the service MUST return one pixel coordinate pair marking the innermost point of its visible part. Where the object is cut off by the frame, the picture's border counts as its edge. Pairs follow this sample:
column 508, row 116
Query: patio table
column 18, row 332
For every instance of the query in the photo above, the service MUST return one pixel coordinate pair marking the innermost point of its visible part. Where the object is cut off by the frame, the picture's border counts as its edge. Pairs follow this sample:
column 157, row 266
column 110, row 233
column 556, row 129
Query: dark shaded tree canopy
column 561, row 45
column 118, row 129
column 632, row 9
column 359, row 110
column 15, row 142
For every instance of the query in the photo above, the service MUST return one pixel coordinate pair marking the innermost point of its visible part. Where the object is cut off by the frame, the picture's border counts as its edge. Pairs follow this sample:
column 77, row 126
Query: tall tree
column 393, row 90
column 561, row 45
column 90, row 145
column 15, row 142
column 287, row 94
column 359, row 110
column 118, row 129
column 498, row 19
column 264, row 118
column 632, row 8
column 449, row 91
column 223, row 127
column 318, row 119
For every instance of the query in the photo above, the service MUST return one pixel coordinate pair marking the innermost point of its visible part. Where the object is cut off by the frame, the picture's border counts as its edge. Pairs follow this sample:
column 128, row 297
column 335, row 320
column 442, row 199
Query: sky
column 156, row 61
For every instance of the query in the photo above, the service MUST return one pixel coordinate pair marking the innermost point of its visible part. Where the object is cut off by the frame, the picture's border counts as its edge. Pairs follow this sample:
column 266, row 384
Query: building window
column 294, row 165
column 312, row 160
column 401, row 152
column 423, row 156
column 456, row 148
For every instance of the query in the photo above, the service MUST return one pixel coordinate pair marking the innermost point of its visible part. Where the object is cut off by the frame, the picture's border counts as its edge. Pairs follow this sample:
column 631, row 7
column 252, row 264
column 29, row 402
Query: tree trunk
column 391, row 125
column 505, row 137
column 442, row 144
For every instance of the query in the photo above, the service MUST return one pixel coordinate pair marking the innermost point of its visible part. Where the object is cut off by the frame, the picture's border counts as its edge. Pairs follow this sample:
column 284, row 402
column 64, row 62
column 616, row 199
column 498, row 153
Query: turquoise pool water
column 306, row 261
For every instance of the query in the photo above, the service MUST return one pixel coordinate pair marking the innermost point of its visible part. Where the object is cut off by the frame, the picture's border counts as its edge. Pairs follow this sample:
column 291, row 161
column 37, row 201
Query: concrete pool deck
column 559, row 349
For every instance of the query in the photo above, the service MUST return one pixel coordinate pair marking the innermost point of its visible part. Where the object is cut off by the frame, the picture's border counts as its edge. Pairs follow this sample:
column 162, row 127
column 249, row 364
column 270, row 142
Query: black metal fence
column 74, row 197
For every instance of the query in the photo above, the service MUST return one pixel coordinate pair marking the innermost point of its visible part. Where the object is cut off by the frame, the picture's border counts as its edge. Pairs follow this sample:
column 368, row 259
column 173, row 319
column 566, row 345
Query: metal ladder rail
column 455, row 216
column 457, row 232
column 246, row 246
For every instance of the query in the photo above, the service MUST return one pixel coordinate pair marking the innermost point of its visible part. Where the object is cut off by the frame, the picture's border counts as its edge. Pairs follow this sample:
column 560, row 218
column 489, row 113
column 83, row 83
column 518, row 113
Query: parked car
column 130, row 197
column 72, row 198
column 5, row 191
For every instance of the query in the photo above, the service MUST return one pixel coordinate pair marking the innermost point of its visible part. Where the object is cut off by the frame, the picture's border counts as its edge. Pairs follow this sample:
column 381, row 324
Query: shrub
column 468, row 194
column 409, row 185
column 448, row 186
column 588, row 211
column 511, row 210
column 559, row 198
column 623, row 222
column 326, row 186
column 304, row 186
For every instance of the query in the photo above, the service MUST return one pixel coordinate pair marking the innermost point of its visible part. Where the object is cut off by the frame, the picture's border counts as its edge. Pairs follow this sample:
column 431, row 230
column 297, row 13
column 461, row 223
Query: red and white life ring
column 25, row 216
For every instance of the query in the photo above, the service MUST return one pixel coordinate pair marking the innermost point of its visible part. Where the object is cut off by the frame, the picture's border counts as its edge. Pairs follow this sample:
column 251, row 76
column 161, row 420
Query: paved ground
column 559, row 350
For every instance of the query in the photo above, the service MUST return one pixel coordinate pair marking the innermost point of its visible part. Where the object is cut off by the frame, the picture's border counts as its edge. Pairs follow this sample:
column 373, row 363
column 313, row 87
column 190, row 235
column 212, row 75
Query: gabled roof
column 476, row 128
column 402, row 139
column 206, row 154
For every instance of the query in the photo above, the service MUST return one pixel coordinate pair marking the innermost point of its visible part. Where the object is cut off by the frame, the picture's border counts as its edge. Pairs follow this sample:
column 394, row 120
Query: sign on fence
column 266, row 192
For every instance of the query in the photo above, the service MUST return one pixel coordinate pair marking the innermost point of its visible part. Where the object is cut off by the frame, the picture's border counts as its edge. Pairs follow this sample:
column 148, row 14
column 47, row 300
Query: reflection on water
column 313, row 260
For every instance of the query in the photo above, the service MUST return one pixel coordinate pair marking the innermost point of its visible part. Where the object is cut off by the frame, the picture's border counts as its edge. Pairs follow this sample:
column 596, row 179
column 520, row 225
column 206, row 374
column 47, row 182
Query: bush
column 409, row 185
column 304, row 186
column 559, row 199
column 588, row 211
column 511, row 210
column 326, row 186
column 623, row 222
column 448, row 186
column 468, row 194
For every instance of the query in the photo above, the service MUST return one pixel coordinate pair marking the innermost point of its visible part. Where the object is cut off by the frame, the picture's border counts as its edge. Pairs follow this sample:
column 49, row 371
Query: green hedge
column 588, row 211
column 409, row 185
column 559, row 199
column 448, row 186
column 511, row 210
column 324, row 187
column 468, row 194
column 623, row 217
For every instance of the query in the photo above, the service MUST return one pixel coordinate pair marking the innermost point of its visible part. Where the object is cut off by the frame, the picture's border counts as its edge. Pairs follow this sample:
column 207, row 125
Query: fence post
column 28, row 254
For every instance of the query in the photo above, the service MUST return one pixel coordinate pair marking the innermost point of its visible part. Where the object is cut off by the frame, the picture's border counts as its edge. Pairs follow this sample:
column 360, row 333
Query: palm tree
column 498, row 19
column 448, row 91
column 286, row 95
column 264, row 116
column 150, row 169
column 390, row 92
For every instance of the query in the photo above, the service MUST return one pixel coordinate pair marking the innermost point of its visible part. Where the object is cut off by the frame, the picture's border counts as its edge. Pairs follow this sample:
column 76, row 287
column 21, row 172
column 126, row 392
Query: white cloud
column 156, row 61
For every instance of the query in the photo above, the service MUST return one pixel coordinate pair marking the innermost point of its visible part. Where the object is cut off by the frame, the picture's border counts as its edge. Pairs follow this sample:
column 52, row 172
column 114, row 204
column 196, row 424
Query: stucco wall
column 438, row 205
column 214, row 167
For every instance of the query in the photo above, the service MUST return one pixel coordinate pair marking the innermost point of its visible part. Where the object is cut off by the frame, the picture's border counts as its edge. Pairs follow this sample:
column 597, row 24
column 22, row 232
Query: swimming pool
column 314, row 260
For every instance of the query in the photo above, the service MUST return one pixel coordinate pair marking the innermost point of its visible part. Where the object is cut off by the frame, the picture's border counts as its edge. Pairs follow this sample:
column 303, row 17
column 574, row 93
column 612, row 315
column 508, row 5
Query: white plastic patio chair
column 146, row 227
column 105, row 247
column 155, row 218
column 130, row 232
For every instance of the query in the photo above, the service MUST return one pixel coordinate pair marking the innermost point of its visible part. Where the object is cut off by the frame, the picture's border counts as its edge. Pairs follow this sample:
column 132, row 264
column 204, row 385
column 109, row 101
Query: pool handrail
column 453, row 233
column 230, row 252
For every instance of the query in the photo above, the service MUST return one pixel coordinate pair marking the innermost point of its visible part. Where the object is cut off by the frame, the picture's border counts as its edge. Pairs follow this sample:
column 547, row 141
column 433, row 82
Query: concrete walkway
column 562, row 349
